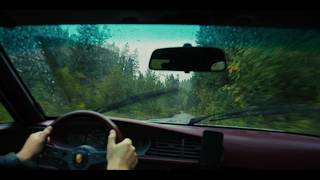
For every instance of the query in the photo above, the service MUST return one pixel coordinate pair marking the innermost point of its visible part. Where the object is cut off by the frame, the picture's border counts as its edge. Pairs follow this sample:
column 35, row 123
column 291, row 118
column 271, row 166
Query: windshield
column 72, row 67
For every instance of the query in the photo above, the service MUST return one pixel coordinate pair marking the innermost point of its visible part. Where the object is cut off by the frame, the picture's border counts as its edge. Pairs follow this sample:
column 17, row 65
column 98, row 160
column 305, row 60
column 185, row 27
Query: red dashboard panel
column 252, row 149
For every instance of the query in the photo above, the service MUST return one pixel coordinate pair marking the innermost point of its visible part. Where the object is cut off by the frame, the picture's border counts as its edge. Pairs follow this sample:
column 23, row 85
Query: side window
column 5, row 117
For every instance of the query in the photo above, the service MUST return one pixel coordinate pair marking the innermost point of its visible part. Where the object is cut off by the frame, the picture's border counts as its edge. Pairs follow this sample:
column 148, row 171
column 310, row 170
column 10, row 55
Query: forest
column 266, row 66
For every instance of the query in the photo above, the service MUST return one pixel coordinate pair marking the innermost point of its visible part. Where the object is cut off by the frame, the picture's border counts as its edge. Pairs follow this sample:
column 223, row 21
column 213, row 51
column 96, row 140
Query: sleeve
column 11, row 161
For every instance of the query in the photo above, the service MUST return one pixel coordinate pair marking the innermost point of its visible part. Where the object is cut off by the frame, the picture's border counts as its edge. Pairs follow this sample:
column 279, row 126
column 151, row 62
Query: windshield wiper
column 135, row 99
column 255, row 111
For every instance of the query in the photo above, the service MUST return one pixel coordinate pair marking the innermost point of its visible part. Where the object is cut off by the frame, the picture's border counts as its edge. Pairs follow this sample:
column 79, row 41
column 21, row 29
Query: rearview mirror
column 188, row 59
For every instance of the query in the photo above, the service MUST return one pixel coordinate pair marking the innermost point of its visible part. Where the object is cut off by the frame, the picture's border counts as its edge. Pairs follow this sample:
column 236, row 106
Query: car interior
column 159, row 145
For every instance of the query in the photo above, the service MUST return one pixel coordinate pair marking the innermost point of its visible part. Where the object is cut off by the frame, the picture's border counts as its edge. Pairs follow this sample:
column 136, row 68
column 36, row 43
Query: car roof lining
column 274, row 18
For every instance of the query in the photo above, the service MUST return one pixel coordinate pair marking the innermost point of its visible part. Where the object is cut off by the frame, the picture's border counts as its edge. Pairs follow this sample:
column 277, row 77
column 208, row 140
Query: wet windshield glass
column 71, row 67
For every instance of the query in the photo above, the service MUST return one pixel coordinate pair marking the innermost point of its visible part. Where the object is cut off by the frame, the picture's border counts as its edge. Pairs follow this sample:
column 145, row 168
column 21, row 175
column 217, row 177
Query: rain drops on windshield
column 74, row 67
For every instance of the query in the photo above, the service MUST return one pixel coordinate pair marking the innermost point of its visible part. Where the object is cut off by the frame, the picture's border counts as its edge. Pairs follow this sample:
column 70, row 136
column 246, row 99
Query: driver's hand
column 34, row 145
column 121, row 156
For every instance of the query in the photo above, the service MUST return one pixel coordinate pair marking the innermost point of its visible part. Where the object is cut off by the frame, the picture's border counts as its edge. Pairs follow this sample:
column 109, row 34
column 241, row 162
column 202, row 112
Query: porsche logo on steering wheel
column 78, row 158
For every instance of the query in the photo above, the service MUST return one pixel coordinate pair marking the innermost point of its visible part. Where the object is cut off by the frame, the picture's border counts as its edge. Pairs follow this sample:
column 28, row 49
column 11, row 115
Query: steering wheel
column 80, row 157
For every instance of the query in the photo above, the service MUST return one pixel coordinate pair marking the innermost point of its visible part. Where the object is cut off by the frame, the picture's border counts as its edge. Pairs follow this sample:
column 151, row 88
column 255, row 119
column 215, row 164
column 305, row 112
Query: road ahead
column 181, row 118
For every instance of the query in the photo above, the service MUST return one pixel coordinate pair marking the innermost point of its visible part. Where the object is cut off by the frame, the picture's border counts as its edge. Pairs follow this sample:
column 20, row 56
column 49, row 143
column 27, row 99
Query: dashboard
column 148, row 142
column 164, row 146
column 180, row 150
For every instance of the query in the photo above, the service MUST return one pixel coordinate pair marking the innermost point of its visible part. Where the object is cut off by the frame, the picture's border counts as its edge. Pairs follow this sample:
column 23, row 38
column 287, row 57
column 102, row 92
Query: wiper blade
column 135, row 99
column 255, row 111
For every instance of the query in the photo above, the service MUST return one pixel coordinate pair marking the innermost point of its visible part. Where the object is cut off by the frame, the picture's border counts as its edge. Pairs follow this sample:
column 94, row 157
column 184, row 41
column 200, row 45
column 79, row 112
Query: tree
column 85, row 51
column 24, row 47
column 265, row 67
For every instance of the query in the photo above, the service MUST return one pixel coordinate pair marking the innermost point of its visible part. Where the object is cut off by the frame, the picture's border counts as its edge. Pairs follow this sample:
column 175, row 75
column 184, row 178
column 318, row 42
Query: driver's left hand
column 34, row 145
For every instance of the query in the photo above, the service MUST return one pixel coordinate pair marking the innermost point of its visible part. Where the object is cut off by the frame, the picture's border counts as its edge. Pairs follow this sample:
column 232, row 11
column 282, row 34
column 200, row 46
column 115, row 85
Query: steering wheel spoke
column 97, row 158
column 54, row 156
column 57, row 152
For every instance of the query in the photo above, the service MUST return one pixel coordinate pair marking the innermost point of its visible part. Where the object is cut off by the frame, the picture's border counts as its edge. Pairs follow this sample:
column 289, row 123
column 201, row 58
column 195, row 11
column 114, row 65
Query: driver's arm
column 10, row 161
column 32, row 147
column 121, row 156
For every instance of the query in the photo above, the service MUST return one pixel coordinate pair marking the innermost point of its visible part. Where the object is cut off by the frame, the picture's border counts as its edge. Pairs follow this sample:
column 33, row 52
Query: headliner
column 275, row 18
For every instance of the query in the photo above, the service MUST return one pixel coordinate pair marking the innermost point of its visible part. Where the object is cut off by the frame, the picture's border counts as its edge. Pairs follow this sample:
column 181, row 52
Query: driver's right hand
column 121, row 156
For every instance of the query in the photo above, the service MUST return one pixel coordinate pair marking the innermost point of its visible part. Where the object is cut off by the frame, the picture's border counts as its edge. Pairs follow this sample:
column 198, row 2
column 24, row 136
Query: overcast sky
column 146, row 38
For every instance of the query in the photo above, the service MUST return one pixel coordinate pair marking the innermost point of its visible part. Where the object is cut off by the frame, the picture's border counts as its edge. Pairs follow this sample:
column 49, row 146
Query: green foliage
column 4, row 115
column 265, row 67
